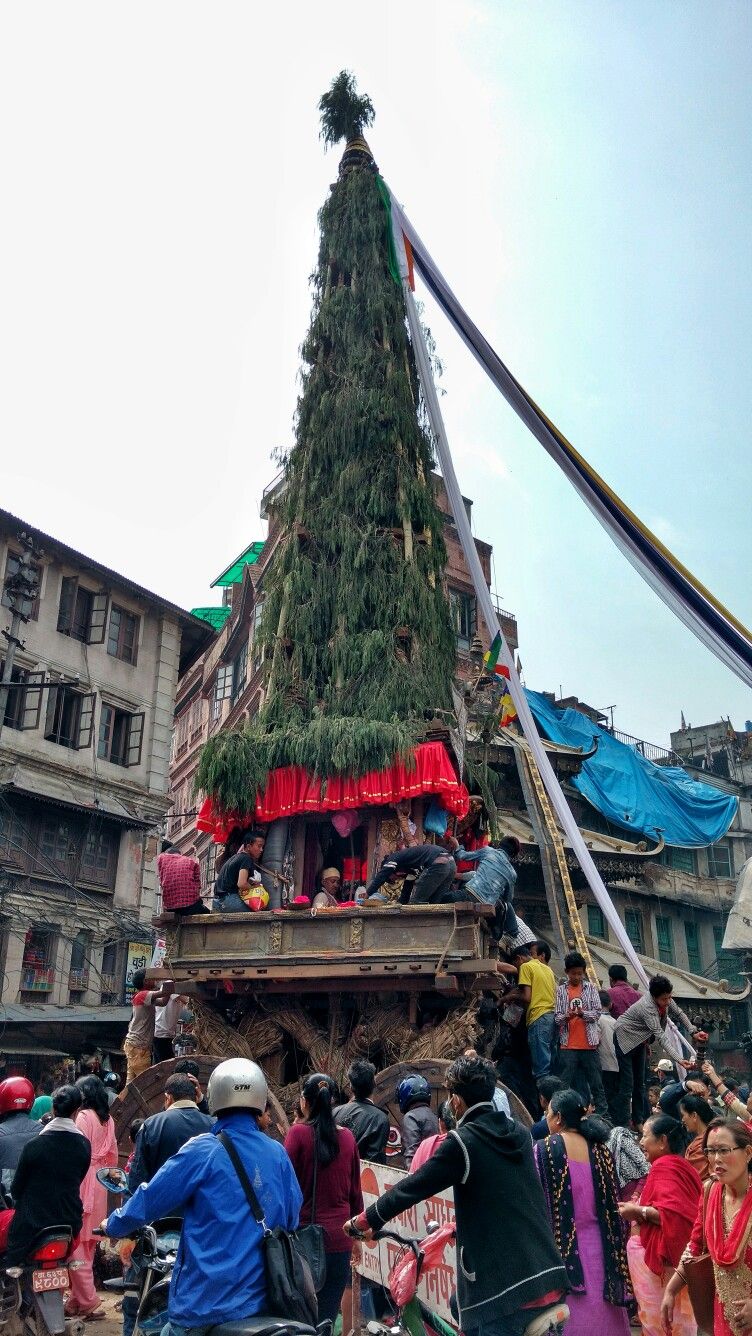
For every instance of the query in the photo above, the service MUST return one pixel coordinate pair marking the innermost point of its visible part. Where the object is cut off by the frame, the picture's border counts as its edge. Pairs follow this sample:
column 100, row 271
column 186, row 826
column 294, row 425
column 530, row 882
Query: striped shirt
column 644, row 1021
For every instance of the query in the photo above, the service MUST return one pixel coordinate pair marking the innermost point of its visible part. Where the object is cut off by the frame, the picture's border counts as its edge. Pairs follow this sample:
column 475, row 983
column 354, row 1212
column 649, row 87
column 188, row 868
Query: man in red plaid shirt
column 180, row 880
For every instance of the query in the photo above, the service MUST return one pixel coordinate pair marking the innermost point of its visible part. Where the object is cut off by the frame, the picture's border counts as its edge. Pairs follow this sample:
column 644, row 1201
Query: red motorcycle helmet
column 16, row 1095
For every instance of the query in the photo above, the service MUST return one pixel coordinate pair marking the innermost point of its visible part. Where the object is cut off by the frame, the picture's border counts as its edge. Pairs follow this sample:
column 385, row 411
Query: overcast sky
column 580, row 170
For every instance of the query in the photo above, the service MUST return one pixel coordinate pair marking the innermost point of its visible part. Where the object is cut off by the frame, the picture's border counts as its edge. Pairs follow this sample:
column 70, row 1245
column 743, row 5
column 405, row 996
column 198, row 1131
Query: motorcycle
column 155, row 1255
column 31, row 1296
column 412, row 1317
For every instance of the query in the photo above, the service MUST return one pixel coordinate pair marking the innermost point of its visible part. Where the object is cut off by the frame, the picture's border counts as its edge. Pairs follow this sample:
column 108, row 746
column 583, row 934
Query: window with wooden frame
column 58, row 842
column 99, row 857
column 82, row 613
column 664, row 939
column 122, row 636
column 13, row 838
column 28, row 607
column 720, row 862
column 633, row 925
column 120, row 736
column 222, row 688
column 692, row 939
column 259, row 650
column 464, row 616
column 597, row 923
column 69, row 719
column 23, row 702
column 239, row 672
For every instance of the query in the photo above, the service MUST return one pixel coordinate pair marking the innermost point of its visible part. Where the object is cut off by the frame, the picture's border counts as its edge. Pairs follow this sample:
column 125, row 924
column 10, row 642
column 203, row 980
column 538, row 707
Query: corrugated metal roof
column 234, row 573
column 216, row 617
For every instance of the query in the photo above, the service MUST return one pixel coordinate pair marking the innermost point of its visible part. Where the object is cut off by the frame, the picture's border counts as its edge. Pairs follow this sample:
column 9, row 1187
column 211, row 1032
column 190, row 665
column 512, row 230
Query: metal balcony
column 37, row 980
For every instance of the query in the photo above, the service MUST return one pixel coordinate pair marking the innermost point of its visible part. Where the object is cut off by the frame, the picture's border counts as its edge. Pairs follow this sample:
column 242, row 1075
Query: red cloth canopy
column 291, row 790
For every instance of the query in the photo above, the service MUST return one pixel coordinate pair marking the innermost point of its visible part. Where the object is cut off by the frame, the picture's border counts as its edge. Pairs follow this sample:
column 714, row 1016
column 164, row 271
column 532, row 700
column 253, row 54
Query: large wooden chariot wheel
column 145, row 1096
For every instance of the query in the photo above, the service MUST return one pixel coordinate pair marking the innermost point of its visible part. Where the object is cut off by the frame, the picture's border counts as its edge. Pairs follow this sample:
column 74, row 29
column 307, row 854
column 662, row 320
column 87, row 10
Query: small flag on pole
column 518, row 666
column 491, row 659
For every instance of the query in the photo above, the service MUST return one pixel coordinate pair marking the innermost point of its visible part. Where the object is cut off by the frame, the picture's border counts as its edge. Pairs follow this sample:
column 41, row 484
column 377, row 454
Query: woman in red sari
column 661, row 1224
column 728, row 1232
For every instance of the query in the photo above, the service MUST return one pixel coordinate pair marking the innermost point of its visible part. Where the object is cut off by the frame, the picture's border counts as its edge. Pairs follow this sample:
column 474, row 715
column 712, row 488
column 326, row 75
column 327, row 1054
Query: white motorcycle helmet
column 237, row 1083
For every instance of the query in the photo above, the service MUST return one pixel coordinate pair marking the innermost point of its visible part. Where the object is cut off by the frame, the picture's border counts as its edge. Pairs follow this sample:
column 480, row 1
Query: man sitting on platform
column 238, row 873
column 428, row 869
column 328, row 896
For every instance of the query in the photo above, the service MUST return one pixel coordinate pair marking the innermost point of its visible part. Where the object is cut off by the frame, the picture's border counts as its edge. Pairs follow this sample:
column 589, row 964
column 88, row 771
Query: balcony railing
column 78, row 981
column 109, row 985
column 651, row 752
column 36, row 980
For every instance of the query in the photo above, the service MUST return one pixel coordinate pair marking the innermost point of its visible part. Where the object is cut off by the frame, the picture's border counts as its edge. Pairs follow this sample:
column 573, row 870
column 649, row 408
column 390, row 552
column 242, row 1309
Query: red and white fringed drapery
column 291, row 791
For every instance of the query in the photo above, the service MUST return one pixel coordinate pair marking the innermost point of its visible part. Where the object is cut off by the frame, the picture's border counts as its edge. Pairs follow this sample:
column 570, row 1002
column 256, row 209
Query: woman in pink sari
column 93, row 1119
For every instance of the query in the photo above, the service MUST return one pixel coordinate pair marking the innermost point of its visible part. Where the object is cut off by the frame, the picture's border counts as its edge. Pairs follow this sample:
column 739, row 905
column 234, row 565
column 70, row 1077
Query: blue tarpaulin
column 631, row 791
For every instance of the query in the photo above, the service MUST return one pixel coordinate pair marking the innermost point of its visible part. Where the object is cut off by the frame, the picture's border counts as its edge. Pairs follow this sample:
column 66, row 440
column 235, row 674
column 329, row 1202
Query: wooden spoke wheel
column 145, row 1096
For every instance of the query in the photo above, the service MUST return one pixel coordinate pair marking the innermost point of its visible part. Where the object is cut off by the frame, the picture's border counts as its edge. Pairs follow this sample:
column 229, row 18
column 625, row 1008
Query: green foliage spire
column 356, row 622
column 344, row 112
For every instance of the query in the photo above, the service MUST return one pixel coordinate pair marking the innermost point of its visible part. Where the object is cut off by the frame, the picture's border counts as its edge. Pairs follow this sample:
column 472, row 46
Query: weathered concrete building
column 84, row 779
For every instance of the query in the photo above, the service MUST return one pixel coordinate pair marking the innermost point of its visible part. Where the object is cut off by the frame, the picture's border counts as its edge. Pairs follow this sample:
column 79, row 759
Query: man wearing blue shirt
column 494, row 879
column 211, row 1283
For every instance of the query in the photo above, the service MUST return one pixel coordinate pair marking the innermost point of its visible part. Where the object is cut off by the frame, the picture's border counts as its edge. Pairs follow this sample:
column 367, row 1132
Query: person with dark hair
column 447, row 1123
column 162, row 1134
column 536, row 992
column 582, row 1196
column 327, row 1166
column 662, row 1222
column 47, row 1182
column 645, row 1020
column 722, row 1228
column 546, row 1088
column 696, row 1115
column 488, row 1160
column 541, row 951
column 494, row 879
column 238, row 873
column 180, row 882
column 368, row 1124
column 428, row 870
column 93, row 1119
column 139, row 1041
column 621, row 992
column 577, row 1011
column 725, row 1095
column 190, row 1067
column 43, row 1102
column 607, row 1054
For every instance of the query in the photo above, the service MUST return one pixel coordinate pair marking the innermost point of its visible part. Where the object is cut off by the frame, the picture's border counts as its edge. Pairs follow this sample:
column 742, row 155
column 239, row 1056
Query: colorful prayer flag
column 491, row 659
column 507, row 712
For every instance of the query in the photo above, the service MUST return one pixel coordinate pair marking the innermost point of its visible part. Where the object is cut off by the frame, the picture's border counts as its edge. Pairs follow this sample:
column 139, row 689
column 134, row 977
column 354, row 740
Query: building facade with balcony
column 85, row 741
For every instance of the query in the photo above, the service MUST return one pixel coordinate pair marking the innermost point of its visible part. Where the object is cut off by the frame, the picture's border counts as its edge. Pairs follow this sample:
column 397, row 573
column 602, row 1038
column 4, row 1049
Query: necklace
column 731, row 1212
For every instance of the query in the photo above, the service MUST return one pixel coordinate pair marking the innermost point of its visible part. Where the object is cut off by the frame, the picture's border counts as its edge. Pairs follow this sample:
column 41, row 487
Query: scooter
column 31, row 1296
column 155, row 1254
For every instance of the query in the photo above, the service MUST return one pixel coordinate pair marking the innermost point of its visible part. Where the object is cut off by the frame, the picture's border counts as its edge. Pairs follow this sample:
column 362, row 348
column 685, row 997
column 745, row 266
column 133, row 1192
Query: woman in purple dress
column 582, row 1194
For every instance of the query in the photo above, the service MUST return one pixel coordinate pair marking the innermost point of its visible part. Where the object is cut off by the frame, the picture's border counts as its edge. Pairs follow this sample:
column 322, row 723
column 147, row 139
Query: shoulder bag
column 700, row 1277
column 290, row 1289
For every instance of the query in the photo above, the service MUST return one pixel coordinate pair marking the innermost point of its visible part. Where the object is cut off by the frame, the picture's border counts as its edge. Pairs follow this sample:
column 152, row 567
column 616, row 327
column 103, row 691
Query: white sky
column 580, row 171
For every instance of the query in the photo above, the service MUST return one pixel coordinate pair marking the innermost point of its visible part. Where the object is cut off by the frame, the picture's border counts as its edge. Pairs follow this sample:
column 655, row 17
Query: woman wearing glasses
column 728, row 1232
column 662, row 1222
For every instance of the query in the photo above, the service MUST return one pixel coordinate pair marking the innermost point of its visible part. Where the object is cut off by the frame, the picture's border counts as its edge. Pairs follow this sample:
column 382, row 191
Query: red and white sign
column 379, row 1255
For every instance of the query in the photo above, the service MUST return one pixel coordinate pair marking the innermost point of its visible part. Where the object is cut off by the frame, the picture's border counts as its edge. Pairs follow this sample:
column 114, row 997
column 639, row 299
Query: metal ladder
column 557, row 881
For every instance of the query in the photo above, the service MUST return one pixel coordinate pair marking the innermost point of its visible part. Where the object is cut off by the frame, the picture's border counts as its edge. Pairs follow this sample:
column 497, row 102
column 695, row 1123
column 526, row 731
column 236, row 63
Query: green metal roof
column 234, row 573
column 216, row 617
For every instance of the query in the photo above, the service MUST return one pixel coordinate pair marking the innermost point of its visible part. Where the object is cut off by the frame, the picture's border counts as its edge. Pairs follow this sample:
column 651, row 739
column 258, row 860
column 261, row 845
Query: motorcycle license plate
column 56, row 1279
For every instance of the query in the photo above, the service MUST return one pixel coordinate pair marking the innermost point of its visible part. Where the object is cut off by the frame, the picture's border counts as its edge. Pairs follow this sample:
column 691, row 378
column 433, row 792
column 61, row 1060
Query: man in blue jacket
column 212, row 1283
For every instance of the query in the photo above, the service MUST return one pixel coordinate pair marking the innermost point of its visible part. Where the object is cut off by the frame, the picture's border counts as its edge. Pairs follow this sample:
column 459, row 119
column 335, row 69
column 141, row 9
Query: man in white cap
column 328, row 896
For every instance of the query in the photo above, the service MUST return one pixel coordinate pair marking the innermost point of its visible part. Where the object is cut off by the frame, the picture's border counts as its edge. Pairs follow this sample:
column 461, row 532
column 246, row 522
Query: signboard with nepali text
column 139, row 958
column 377, row 1257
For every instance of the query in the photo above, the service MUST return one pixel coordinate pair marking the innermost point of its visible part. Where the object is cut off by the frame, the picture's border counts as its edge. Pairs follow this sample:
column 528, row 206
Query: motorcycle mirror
column 431, row 1226
column 113, row 1179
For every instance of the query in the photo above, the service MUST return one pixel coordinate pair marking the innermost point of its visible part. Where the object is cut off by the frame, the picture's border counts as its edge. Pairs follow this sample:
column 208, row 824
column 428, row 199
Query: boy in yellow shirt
column 537, row 992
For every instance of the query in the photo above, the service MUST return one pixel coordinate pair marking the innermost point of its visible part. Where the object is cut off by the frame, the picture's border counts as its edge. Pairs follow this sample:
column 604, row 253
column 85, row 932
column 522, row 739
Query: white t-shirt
column 606, row 1051
column 166, row 1020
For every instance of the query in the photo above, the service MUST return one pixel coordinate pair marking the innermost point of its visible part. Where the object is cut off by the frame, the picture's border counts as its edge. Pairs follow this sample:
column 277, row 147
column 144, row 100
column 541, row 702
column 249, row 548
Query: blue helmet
column 412, row 1090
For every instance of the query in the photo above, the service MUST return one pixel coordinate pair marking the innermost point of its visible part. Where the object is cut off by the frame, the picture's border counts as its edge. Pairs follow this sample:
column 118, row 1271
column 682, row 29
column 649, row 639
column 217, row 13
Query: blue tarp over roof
column 632, row 792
